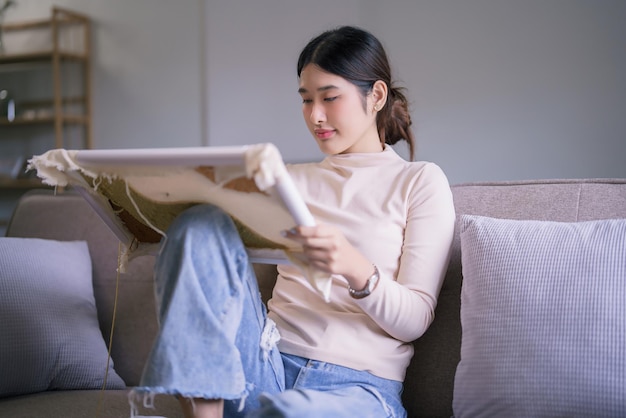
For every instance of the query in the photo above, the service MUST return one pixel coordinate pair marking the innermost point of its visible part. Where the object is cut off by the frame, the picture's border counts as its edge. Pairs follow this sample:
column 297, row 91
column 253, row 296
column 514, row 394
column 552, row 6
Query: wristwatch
column 370, row 285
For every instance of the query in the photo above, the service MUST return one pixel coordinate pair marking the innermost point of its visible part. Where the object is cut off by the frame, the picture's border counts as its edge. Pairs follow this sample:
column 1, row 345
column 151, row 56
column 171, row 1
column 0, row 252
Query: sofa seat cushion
column 543, row 319
column 50, row 337
column 84, row 403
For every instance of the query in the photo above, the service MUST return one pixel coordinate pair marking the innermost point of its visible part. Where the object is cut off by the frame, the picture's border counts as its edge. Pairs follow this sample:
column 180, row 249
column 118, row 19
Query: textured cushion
column 543, row 315
column 49, row 333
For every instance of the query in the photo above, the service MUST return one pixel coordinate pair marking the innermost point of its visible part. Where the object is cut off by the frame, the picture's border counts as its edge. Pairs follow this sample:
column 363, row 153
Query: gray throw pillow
column 49, row 333
column 543, row 313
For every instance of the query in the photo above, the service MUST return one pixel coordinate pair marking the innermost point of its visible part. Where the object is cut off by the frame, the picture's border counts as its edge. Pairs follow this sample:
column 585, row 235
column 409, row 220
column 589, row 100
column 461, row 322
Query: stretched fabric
column 141, row 200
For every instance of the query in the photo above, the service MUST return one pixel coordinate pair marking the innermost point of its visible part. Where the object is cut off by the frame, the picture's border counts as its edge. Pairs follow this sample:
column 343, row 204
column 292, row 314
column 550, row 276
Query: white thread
column 133, row 406
column 139, row 211
column 148, row 400
column 96, row 183
column 242, row 403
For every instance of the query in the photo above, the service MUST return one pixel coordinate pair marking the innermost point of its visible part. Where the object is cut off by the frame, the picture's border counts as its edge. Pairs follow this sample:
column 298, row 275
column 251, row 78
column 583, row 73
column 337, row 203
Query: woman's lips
column 324, row 133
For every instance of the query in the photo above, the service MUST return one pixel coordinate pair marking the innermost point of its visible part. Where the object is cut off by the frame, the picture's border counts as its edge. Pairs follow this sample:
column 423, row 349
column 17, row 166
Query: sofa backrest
column 67, row 217
column 430, row 378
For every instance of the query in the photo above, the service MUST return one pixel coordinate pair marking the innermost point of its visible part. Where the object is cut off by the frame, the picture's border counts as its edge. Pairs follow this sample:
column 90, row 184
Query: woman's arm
column 405, row 307
column 402, row 306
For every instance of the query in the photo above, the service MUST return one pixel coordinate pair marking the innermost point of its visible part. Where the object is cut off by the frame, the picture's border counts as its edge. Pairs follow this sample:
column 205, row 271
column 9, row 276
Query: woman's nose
column 317, row 114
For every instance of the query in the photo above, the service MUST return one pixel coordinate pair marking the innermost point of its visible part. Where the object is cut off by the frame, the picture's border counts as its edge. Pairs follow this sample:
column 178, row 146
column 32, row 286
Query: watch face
column 369, row 286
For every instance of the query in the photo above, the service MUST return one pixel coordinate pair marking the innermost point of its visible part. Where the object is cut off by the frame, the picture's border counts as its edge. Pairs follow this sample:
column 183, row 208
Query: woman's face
column 335, row 113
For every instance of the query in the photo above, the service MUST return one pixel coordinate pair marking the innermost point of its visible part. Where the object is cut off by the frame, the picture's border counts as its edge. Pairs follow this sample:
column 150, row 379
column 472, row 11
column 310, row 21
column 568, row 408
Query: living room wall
column 501, row 90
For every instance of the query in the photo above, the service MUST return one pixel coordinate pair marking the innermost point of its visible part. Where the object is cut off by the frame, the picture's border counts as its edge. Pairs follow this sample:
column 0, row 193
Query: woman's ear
column 379, row 95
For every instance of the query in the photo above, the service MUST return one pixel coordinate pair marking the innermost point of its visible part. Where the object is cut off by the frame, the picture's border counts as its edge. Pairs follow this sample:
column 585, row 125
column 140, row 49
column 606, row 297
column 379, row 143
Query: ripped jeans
column 215, row 340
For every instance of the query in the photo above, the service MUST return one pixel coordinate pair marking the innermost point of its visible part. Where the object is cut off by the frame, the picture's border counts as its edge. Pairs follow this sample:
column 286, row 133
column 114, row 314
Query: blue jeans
column 215, row 340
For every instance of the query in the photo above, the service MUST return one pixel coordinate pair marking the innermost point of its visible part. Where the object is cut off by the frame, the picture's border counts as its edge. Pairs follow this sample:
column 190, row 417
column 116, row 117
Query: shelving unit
column 63, row 47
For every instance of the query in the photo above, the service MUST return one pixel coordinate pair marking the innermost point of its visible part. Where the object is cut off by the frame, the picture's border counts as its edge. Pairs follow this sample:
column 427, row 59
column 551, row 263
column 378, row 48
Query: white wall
column 501, row 89
column 146, row 68
column 513, row 89
column 252, row 50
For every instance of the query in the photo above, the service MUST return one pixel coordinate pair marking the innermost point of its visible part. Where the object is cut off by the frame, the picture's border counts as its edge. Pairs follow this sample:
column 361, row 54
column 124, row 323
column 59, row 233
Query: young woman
column 384, row 229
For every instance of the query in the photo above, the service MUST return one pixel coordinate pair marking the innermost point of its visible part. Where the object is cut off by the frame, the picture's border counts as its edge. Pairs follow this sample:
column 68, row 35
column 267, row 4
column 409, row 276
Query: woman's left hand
column 327, row 249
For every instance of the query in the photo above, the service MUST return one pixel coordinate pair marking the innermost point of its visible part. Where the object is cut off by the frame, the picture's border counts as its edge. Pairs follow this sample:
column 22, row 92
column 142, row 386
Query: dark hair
column 359, row 57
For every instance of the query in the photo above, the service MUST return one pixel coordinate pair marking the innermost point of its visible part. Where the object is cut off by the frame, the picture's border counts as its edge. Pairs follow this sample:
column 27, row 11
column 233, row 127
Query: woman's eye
column 330, row 99
column 306, row 101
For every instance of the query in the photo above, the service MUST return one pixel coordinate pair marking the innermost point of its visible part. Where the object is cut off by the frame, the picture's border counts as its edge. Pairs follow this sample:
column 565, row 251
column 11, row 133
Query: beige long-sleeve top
column 400, row 215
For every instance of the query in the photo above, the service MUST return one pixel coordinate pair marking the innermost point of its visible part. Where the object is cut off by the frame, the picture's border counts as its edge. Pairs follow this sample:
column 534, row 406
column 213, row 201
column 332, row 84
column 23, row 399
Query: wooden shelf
column 60, row 16
column 40, row 56
column 66, row 41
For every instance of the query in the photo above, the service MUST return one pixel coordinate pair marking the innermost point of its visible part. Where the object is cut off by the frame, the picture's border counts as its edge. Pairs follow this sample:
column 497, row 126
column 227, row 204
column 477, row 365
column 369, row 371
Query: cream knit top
column 400, row 215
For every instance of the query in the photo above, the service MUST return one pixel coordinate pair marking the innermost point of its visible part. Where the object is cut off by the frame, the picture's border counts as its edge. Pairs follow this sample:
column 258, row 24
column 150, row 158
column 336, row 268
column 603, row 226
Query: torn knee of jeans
column 269, row 337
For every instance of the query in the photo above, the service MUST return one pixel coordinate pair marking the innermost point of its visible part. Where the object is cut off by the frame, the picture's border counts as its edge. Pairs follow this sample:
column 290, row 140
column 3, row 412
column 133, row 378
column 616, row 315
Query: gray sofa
column 430, row 380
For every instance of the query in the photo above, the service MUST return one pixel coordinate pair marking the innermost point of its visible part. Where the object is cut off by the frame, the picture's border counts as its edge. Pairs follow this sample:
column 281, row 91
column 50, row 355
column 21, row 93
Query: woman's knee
column 202, row 238
column 204, row 223
column 198, row 216
column 203, row 250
